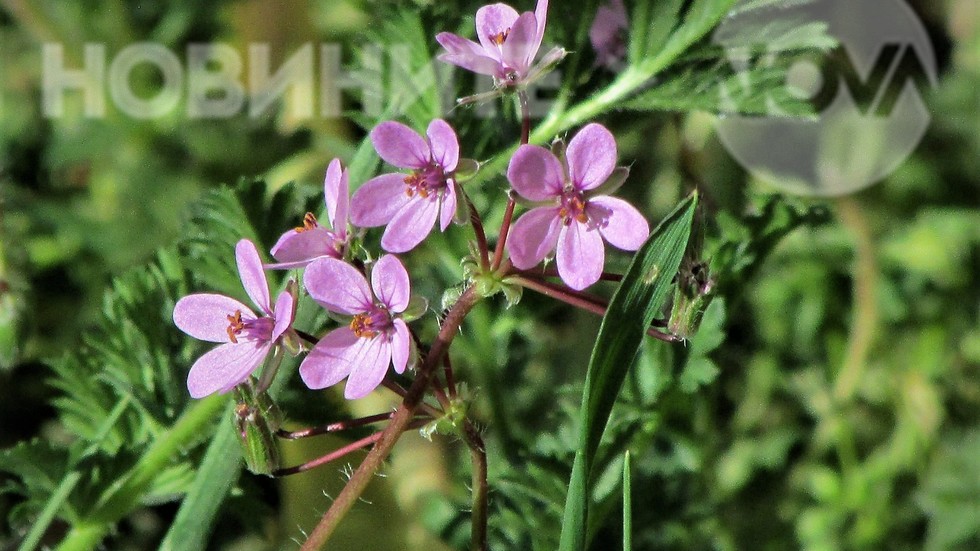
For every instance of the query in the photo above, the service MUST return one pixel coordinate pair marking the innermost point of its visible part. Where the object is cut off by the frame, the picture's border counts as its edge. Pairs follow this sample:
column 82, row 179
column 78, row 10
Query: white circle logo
column 865, row 93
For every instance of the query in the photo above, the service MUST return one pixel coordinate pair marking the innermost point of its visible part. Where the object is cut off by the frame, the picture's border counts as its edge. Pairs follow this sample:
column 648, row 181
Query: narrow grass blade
column 640, row 296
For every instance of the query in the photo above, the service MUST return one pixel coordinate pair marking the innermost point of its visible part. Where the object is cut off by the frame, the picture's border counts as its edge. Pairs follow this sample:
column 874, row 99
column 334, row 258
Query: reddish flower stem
column 399, row 422
column 552, row 272
column 478, row 458
column 450, row 378
column 333, row 427
column 481, row 235
column 584, row 301
column 498, row 253
column 337, row 454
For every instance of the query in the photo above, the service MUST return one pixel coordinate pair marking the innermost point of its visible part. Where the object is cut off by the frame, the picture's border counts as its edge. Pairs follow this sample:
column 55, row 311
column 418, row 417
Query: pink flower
column 606, row 33
column 376, row 337
column 409, row 204
column 298, row 247
column 574, row 220
column 509, row 42
column 246, row 337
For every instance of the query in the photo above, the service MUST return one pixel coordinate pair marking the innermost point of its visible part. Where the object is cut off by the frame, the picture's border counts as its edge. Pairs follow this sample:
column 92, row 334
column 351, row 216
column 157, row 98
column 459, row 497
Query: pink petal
column 371, row 363
column 399, row 145
column 533, row 236
column 457, row 45
column 252, row 274
column 519, row 46
column 285, row 313
column 540, row 17
column 477, row 63
column 376, row 202
column 467, row 54
column 401, row 345
column 329, row 361
column 298, row 248
column 390, row 283
column 336, row 194
column 591, row 156
column 338, row 286
column 445, row 145
column 410, row 225
column 205, row 316
column 580, row 256
column 535, row 173
column 491, row 21
column 619, row 222
column 220, row 369
column 448, row 209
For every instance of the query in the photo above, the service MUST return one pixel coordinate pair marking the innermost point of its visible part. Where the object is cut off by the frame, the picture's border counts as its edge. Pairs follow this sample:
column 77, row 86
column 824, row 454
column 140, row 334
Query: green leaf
column 214, row 479
column 637, row 301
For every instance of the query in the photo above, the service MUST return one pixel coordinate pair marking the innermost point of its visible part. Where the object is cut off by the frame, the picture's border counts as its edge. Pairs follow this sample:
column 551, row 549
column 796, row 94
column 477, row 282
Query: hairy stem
column 584, row 301
column 337, row 454
column 400, row 420
column 498, row 253
column 333, row 427
column 478, row 458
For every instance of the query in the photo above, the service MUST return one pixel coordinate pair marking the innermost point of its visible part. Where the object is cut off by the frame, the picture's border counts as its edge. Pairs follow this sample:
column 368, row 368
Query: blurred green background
column 763, row 448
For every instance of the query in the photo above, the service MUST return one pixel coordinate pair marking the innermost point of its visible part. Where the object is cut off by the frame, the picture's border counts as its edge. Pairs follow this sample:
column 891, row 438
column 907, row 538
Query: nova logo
column 866, row 94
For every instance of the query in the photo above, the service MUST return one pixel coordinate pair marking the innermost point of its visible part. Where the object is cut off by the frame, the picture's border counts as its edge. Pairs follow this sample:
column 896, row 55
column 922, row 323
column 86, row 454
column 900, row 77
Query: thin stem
column 478, row 458
column 400, row 391
column 581, row 300
column 525, row 117
column 450, row 379
column 498, row 253
column 552, row 272
column 306, row 336
column 481, row 235
column 333, row 427
column 337, row 454
column 865, row 318
column 402, row 418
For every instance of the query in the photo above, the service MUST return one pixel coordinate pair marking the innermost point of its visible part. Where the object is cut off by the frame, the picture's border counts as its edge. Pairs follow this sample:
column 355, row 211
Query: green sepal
column 256, row 420
column 417, row 307
column 452, row 422
column 466, row 169
column 613, row 182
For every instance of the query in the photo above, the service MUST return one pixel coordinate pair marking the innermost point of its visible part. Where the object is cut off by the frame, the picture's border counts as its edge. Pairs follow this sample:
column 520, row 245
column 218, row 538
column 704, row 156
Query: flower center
column 309, row 223
column 256, row 329
column 425, row 181
column 372, row 323
column 500, row 37
column 573, row 205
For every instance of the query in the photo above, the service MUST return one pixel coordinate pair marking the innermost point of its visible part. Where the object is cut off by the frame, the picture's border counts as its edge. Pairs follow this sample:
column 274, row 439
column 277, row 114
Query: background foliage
column 830, row 400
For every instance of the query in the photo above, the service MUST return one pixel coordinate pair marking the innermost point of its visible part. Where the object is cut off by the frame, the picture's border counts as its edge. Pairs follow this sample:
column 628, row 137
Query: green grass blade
column 627, row 504
column 640, row 296
column 213, row 482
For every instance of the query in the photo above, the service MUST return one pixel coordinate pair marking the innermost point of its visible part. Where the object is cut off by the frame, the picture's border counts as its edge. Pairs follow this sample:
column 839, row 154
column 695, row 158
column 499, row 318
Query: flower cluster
column 570, row 217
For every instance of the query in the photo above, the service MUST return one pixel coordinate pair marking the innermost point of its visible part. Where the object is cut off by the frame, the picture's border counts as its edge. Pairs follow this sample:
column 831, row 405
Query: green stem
column 84, row 536
column 865, row 318
column 478, row 457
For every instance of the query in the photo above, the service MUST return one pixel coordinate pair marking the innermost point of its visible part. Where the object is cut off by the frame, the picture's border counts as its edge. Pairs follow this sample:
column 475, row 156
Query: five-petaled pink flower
column 246, row 337
column 509, row 42
column 300, row 246
column 409, row 204
column 574, row 221
column 607, row 33
column 376, row 337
